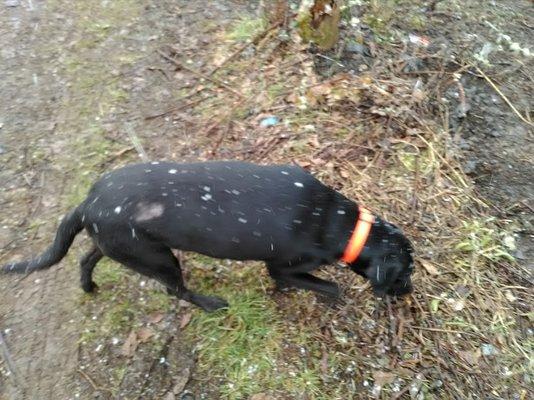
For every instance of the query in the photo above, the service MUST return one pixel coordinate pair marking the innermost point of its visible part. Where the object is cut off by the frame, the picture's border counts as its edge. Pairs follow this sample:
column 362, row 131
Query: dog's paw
column 89, row 287
column 208, row 303
column 332, row 290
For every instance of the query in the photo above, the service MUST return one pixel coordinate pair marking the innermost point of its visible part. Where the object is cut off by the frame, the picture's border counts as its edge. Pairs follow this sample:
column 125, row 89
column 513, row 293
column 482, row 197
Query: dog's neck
column 342, row 217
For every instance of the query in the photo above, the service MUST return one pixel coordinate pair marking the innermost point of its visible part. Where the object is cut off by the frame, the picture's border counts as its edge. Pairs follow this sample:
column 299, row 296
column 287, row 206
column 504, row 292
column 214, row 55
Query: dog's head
column 387, row 261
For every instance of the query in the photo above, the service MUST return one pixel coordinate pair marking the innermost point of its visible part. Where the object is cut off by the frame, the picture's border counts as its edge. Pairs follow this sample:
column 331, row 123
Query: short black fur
column 278, row 214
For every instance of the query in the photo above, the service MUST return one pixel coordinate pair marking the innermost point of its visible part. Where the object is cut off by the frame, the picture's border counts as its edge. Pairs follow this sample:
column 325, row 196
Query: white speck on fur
column 242, row 220
column 298, row 184
column 118, row 210
column 164, row 194
column 236, row 192
column 95, row 200
column 316, row 214
column 284, row 172
column 148, row 170
column 256, row 233
column 341, row 212
column 83, row 217
column 256, row 176
column 154, row 162
column 378, row 273
column 95, row 227
column 206, row 197
column 297, row 221
column 172, row 171
column 272, row 247
column 206, row 188
column 133, row 234
column 235, row 240
column 146, row 211
column 178, row 204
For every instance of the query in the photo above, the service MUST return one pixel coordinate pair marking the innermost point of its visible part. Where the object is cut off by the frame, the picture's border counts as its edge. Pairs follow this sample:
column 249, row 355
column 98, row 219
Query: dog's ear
column 382, row 273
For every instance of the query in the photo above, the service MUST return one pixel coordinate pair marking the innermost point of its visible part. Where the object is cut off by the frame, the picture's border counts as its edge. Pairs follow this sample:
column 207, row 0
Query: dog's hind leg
column 158, row 262
column 87, row 265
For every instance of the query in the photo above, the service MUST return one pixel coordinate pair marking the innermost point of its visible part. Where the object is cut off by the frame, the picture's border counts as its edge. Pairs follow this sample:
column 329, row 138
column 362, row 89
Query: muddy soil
column 78, row 80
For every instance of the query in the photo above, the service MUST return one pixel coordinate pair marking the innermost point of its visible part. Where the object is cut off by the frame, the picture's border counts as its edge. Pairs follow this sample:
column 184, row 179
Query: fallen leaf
column 344, row 174
column 324, row 362
column 509, row 296
column 261, row 396
column 154, row 318
column 382, row 378
column 471, row 357
column 144, row 334
column 130, row 345
column 186, row 318
column 184, row 304
column 181, row 380
column 169, row 396
column 318, row 161
column 509, row 242
column 434, row 305
column 458, row 305
column 303, row 164
column 314, row 141
column 430, row 268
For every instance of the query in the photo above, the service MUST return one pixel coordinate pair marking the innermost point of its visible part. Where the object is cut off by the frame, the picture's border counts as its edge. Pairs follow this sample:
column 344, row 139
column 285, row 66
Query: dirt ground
column 83, row 82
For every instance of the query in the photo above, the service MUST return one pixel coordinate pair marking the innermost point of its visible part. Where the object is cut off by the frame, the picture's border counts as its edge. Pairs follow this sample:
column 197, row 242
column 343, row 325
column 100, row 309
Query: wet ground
column 79, row 80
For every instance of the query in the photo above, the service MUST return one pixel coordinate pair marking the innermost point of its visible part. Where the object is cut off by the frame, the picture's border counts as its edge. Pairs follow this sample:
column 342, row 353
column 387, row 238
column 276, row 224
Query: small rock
column 470, row 166
column 187, row 396
column 488, row 349
column 269, row 121
column 357, row 48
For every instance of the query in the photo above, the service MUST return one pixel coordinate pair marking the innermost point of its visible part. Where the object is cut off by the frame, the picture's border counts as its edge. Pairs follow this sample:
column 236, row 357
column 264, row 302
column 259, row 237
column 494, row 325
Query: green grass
column 246, row 29
column 240, row 344
column 483, row 239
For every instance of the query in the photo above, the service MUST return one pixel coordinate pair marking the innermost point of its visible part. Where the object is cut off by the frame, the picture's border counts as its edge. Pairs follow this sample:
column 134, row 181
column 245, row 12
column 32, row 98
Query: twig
column 92, row 382
column 240, row 49
column 494, row 86
column 218, row 142
column 174, row 109
column 392, row 325
column 9, row 361
column 137, row 143
column 330, row 59
column 225, row 116
column 200, row 74
column 423, row 328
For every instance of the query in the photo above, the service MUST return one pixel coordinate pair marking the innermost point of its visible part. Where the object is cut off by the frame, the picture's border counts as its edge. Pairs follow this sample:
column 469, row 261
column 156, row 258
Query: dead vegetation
column 381, row 136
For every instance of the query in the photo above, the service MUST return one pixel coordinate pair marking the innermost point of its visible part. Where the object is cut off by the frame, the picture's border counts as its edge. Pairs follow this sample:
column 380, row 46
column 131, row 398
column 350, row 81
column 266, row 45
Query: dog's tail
column 69, row 227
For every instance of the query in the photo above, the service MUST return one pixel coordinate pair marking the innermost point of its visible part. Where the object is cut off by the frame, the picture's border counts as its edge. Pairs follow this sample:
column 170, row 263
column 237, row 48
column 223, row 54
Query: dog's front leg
column 291, row 274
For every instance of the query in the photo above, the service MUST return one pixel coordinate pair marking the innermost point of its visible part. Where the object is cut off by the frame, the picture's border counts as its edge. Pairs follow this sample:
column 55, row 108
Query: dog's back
column 231, row 210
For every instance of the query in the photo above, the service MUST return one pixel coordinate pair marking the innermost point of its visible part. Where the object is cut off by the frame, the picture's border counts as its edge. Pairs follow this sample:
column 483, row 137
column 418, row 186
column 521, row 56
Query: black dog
column 236, row 210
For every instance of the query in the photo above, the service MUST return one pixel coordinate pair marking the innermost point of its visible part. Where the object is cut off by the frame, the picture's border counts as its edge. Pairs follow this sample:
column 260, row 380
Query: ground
column 422, row 112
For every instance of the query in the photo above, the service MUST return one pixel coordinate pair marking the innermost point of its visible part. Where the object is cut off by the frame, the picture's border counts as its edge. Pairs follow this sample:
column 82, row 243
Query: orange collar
column 359, row 236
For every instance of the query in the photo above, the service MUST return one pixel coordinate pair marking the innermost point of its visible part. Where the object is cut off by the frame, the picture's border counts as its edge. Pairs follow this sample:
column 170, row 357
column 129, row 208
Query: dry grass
column 382, row 139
